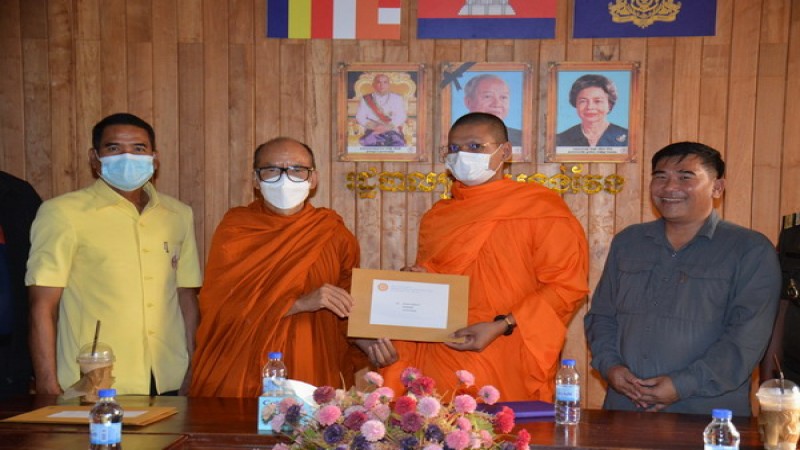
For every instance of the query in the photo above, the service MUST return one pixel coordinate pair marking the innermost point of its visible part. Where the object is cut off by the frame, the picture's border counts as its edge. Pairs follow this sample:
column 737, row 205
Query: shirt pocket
column 702, row 293
column 632, row 282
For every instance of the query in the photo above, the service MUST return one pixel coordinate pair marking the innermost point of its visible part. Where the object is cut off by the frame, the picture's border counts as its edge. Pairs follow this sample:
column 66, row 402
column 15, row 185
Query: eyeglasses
column 472, row 147
column 272, row 174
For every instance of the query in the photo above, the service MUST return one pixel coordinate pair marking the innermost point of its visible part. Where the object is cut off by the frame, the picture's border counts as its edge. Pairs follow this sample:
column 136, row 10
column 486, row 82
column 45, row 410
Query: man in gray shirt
column 686, row 303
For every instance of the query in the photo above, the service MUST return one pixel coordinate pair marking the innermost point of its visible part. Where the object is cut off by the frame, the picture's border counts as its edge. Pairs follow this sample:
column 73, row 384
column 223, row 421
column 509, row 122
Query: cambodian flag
column 644, row 18
column 486, row 19
column 333, row 19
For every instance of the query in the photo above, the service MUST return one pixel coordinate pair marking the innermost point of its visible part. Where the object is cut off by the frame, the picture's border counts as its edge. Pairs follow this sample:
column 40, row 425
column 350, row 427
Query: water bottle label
column 105, row 433
column 720, row 447
column 270, row 385
column 568, row 392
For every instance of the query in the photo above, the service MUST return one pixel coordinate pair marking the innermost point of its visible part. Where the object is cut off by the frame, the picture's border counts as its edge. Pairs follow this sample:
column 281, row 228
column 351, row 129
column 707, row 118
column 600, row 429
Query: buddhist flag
column 486, row 19
column 333, row 19
column 635, row 18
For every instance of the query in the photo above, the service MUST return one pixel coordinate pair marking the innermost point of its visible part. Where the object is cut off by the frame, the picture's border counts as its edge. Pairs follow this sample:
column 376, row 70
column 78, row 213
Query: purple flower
column 465, row 404
column 328, row 414
column 359, row 443
column 373, row 430
column 489, row 394
column 457, row 440
column 465, row 377
column 409, row 374
column 333, row 434
column 293, row 414
column 429, row 407
column 409, row 443
column 324, row 394
column 355, row 419
column 433, row 433
column 433, row 447
column 411, row 422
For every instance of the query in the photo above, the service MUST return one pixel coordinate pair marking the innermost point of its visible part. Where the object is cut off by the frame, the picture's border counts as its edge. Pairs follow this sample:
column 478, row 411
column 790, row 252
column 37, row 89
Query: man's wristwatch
column 509, row 326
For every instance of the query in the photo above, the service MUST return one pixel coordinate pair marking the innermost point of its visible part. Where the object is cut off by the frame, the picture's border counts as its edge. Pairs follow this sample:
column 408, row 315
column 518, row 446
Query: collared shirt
column 701, row 315
column 122, row 268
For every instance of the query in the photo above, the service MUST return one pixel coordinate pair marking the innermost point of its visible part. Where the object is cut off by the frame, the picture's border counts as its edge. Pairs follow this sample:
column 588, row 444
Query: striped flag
column 483, row 19
column 333, row 19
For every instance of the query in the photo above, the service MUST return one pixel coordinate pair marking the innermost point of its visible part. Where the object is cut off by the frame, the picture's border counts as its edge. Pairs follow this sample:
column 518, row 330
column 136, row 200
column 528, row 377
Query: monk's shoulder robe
column 525, row 254
column 259, row 263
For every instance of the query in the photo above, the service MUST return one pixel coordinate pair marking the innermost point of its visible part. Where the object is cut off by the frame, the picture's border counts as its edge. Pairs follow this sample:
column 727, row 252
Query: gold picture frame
column 593, row 112
column 381, row 112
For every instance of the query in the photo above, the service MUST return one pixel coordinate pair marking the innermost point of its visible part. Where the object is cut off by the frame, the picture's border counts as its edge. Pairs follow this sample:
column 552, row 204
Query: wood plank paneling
column 214, row 87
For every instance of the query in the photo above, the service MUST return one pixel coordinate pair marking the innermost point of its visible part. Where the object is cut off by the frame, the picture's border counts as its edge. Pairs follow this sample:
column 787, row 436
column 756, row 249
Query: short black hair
column 121, row 119
column 498, row 128
column 709, row 157
column 281, row 140
column 593, row 80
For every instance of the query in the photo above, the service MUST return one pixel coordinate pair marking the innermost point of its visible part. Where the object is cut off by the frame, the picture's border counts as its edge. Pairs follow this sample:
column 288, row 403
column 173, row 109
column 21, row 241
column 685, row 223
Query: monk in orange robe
column 277, row 279
column 527, row 260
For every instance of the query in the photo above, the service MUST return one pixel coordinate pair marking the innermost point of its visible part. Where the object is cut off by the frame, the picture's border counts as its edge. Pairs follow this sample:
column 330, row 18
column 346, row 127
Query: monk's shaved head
column 496, row 125
column 280, row 142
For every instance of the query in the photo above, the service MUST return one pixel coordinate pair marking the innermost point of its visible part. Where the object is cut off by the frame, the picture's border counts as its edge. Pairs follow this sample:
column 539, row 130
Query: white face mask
column 126, row 171
column 284, row 193
column 471, row 169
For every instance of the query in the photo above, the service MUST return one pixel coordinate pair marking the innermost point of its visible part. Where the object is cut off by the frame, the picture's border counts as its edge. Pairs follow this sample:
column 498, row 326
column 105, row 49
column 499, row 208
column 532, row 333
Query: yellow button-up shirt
column 122, row 268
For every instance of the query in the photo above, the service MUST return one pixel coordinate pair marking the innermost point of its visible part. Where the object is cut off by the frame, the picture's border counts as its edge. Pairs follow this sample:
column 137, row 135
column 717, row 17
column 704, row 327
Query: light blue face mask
column 125, row 171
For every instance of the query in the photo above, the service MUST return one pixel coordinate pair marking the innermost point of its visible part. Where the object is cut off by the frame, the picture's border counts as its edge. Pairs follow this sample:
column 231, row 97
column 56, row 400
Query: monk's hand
column 477, row 337
column 329, row 297
column 658, row 392
column 380, row 352
column 622, row 380
column 414, row 268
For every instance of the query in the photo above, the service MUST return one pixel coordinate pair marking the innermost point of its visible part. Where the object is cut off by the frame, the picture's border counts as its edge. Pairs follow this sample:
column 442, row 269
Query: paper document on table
column 409, row 306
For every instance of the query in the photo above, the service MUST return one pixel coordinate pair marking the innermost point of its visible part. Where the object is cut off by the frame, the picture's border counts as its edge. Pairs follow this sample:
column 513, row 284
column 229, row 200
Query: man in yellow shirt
column 119, row 252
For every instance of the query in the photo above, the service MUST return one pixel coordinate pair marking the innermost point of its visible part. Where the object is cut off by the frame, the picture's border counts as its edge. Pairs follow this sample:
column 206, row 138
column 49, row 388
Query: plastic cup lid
column 102, row 353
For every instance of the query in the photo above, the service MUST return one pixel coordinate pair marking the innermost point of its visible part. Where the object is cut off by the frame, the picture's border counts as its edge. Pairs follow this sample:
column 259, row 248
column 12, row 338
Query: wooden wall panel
column 203, row 72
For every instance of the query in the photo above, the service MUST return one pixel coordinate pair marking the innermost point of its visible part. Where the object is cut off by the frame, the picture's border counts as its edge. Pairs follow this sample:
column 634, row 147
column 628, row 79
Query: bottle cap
column 275, row 355
column 568, row 362
column 107, row 392
column 721, row 414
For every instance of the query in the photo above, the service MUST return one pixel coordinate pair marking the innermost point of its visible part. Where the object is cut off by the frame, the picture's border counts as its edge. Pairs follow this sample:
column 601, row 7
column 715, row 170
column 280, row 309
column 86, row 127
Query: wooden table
column 229, row 423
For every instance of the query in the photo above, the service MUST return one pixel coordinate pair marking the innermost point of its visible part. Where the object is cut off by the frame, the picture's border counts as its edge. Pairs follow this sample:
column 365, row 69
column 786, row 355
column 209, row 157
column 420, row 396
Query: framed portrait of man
column 592, row 112
column 501, row 89
column 381, row 112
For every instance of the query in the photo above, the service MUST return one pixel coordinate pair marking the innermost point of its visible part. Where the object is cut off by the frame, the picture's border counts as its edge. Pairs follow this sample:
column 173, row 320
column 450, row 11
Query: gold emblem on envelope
column 644, row 13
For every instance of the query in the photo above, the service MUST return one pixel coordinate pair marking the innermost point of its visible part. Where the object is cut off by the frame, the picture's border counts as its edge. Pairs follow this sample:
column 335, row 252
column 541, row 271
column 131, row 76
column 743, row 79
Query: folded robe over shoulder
column 525, row 254
column 259, row 263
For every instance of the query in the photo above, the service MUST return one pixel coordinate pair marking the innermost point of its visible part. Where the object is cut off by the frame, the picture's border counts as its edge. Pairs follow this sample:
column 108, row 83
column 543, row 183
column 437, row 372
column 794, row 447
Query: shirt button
column 150, row 305
column 151, row 333
column 145, row 250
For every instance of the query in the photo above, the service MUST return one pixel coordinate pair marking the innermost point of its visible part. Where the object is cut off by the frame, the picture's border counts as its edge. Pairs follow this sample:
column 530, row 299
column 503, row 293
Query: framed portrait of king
column 592, row 112
column 500, row 89
column 381, row 112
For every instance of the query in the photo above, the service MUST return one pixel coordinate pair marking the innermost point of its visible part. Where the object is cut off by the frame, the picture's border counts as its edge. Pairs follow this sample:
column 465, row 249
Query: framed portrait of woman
column 501, row 89
column 592, row 112
column 381, row 112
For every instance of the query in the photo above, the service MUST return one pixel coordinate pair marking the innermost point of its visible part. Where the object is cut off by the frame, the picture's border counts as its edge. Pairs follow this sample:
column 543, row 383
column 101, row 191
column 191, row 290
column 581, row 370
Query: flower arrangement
column 418, row 420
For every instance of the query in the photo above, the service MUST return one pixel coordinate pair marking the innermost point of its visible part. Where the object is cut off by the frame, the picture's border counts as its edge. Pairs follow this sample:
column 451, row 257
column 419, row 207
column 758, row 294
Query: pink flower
column 465, row 404
column 381, row 412
column 385, row 392
column 465, row 377
column 433, row 447
column 374, row 378
column 372, row 399
column 277, row 422
column 429, row 407
column 523, row 440
column 486, row 438
column 373, row 430
column 409, row 374
column 329, row 414
column 504, row 420
column 280, row 447
column 354, row 420
column 457, row 440
column 489, row 394
column 463, row 424
column 422, row 386
column 286, row 403
column 324, row 394
column 405, row 404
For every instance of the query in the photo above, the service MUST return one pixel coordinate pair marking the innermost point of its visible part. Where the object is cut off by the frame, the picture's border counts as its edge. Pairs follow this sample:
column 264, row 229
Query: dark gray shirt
column 701, row 315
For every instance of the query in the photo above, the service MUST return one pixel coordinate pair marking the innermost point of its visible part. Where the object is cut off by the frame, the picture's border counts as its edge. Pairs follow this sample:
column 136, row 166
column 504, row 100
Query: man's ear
column 313, row 180
column 719, row 188
column 94, row 161
column 507, row 151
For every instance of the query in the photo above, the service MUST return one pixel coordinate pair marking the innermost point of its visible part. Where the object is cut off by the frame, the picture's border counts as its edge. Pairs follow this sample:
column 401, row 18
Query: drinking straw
column 780, row 371
column 96, row 335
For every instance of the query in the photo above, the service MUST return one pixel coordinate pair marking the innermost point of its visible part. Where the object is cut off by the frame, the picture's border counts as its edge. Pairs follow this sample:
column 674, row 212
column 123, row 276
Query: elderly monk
column 526, row 258
column 277, row 279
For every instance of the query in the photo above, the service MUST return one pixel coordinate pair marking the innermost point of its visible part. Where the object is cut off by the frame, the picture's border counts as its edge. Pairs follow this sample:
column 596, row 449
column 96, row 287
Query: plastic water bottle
column 274, row 376
column 568, row 394
column 105, row 422
column 720, row 434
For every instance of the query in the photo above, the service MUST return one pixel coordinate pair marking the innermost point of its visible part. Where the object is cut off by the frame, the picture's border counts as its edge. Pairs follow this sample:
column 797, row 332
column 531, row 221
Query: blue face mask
column 125, row 171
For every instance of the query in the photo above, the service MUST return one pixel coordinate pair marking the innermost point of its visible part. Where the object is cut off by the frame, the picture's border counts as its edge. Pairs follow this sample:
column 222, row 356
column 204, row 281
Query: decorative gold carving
column 644, row 13
column 570, row 180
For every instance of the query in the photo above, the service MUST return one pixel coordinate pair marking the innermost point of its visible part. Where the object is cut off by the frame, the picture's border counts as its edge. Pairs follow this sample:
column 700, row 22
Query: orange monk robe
column 525, row 254
column 259, row 263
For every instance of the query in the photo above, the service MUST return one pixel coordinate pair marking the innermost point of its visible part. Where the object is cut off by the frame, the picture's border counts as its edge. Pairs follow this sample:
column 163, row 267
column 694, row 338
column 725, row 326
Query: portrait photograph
column 381, row 112
column 592, row 112
column 500, row 89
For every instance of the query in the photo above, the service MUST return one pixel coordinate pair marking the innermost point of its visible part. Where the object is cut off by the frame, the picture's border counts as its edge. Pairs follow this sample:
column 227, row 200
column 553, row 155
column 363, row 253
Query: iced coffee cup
column 96, row 367
column 779, row 414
